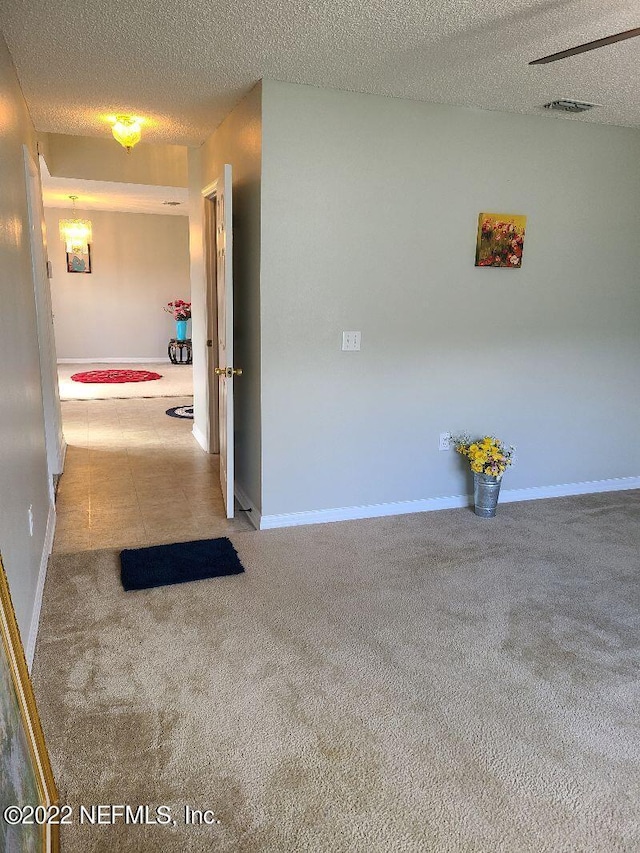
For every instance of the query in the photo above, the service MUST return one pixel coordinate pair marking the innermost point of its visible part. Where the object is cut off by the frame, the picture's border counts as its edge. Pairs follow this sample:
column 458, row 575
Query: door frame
column 54, row 438
column 218, row 248
column 209, row 194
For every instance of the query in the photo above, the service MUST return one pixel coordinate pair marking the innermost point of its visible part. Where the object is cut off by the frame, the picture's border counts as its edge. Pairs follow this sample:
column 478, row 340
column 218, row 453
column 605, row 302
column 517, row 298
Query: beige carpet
column 432, row 682
column 177, row 381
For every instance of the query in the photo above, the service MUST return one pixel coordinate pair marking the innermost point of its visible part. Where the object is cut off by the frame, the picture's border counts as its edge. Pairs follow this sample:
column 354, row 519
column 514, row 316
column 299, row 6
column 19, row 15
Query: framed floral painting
column 500, row 240
column 79, row 261
column 28, row 795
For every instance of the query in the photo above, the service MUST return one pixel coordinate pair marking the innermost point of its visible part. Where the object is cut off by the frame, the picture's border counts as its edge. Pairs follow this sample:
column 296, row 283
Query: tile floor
column 134, row 476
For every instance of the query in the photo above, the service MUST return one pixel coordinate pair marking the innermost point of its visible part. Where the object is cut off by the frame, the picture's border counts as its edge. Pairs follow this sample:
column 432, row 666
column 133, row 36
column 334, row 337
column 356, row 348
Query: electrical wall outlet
column 445, row 441
column 31, row 520
column 351, row 341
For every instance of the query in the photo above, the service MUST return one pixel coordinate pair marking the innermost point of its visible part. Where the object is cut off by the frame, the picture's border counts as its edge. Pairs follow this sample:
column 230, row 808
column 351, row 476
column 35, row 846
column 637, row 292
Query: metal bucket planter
column 485, row 494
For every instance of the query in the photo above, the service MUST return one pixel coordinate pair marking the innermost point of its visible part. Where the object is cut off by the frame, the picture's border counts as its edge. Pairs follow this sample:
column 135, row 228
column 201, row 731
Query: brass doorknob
column 228, row 371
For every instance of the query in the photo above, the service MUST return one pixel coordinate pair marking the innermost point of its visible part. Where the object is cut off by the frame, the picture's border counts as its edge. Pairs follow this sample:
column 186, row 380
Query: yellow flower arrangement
column 486, row 455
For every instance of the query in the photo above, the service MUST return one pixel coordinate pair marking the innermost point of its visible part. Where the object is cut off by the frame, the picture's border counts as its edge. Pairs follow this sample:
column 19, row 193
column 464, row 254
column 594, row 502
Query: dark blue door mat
column 159, row 565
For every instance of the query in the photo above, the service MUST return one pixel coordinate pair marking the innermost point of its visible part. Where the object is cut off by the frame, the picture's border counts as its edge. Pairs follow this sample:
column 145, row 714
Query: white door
column 46, row 339
column 211, row 388
column 225, row 370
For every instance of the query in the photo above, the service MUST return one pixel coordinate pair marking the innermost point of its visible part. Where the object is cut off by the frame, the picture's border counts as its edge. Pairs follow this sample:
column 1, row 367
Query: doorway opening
column 134, row 475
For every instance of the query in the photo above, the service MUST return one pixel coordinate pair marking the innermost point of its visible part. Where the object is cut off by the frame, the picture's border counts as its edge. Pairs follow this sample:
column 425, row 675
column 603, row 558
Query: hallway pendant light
column 126, row 131
column 75, row 233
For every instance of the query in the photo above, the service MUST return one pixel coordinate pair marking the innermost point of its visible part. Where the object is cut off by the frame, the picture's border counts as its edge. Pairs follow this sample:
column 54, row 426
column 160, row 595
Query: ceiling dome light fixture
column 126, row 131
column 75, row 233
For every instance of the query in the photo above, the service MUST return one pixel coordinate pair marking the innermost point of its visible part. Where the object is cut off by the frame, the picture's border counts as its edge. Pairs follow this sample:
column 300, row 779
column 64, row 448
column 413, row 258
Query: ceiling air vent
column 566, row 105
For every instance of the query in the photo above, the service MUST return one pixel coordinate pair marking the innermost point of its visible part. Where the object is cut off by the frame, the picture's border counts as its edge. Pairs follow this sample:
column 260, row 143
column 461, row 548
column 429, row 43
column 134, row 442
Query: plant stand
column 180, row 351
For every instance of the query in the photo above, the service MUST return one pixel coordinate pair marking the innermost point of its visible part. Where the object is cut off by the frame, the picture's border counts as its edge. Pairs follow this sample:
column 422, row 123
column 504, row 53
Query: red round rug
column 114, row 376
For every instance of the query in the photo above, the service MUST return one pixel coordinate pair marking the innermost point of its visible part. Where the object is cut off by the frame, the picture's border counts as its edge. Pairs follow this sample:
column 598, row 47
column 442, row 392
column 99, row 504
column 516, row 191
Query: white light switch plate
column 351, row 341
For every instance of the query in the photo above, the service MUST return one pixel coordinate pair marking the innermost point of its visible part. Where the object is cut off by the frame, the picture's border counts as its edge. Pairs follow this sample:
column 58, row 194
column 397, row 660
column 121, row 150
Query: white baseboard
column 63, row 454
column 350, row 513
column 201, row 438
column 249, row 506
column 322, row 516
column 150, row 360
column 590, row 487
column 42, row 575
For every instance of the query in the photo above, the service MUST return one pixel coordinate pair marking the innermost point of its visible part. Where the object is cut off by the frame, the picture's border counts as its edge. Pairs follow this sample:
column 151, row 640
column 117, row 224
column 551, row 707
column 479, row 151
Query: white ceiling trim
column 108, row 195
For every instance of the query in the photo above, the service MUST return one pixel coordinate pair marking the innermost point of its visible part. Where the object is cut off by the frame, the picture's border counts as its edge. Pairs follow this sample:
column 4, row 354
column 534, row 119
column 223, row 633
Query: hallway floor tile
column 134, row 477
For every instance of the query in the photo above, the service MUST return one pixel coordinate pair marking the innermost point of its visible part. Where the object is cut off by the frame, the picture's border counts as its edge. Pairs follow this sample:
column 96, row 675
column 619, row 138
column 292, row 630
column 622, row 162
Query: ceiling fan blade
column 590, row 45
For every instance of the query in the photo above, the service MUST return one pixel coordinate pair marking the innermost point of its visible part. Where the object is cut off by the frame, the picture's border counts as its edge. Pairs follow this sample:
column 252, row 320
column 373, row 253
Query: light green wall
column 237, row 141
column 139, row 263
column 23, row 469
column 369, row 216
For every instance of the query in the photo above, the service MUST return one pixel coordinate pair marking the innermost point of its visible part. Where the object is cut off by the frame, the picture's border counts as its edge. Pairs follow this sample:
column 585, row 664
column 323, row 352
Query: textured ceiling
column 183, row 66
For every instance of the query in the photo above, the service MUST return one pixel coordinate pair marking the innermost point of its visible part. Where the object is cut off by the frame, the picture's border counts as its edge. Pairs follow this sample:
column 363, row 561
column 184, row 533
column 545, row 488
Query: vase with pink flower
column 181, row 312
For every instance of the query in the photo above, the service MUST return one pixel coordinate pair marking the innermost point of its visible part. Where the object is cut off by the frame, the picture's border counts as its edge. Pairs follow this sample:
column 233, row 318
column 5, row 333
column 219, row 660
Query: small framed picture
column 500, row 240
column 79, row 262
